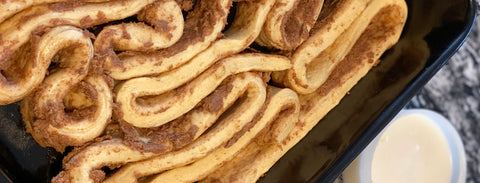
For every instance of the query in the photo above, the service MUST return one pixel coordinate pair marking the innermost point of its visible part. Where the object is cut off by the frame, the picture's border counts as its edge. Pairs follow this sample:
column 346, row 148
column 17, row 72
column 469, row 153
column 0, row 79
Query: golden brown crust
column 202, row 26
column 164, row 94
column 257, row 157
column 64, row 99
column 289, row 23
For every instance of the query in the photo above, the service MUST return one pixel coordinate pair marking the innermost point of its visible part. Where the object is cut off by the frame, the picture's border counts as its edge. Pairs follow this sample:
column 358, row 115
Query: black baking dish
column 435, row 29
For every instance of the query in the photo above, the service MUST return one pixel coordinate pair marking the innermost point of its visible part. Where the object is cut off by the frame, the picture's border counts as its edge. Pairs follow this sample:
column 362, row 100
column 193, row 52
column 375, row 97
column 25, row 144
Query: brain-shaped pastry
column 184, row 91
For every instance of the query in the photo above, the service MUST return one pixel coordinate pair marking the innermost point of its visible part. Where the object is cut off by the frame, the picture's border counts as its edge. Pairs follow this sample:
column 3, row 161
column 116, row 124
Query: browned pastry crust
column 289, row 23
column 23, row 26
column 69, row 107
column 383, row 31
column 162, row 93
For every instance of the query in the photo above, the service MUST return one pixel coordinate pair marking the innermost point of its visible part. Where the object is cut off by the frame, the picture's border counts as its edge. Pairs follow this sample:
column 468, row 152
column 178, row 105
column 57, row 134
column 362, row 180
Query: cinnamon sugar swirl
column 181, row 90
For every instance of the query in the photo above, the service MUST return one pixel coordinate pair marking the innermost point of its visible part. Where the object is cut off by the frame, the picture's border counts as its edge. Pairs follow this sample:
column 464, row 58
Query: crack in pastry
column 44, row 111
column 203, row 25
column 277, row 121
column 289, row 23
column 214, row 128
column 381, row 34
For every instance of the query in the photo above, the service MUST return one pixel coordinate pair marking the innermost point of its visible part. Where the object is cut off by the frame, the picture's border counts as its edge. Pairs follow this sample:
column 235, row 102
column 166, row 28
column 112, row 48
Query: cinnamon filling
column 153, row 91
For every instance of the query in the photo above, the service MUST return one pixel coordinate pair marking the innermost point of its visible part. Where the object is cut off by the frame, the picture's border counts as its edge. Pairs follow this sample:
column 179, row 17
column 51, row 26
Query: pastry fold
column 225, row 112
column 289, row 23
column 16, row 30
column 155, row 90
column 277, row 120
column 202, row 26
column 181, row 90
column 383, row 31
column 339, row 27
column 88, row 98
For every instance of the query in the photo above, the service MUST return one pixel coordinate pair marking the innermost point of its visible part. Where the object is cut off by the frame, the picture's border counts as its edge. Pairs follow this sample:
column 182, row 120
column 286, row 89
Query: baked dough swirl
column 16, row 31
column 167, row 93
column 159, row 91
column 387, row 23
column 202, row 26
column 338, row 28
column 10, row 7
column 277, row 120
column 289, row 23
column 43, row 112
column 32, row 60
column 246, row 94
column 167, row 21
